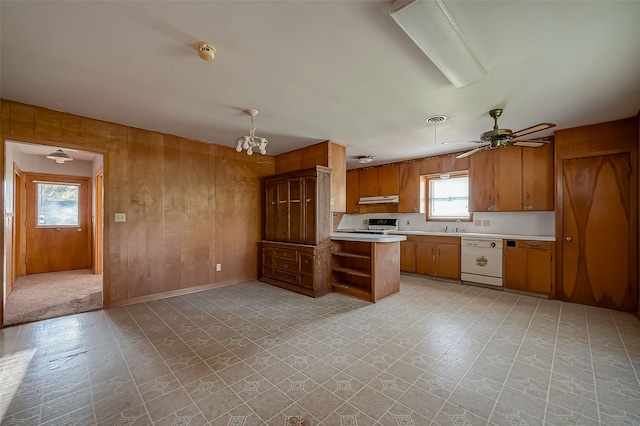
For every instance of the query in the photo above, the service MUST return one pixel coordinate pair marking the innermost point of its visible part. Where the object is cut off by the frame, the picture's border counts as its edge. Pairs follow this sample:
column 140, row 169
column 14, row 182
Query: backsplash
column 510, row 223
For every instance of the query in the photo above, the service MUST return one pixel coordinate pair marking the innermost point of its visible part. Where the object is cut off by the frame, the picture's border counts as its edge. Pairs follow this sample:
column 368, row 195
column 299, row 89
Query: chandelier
column 252, row 141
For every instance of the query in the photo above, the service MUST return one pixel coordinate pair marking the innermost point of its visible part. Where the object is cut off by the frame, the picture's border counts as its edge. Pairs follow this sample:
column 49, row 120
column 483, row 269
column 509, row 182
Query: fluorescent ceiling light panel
column 429, row 24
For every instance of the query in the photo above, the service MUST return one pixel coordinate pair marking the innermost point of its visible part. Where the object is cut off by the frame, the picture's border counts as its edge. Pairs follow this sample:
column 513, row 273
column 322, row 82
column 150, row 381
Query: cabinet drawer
column 286, row 265
column 536, row 245
column 290, row 255
column 287, row 277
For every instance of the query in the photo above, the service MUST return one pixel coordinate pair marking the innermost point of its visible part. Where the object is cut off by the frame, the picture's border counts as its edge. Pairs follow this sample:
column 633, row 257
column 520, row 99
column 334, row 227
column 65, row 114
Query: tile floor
column 252, row 354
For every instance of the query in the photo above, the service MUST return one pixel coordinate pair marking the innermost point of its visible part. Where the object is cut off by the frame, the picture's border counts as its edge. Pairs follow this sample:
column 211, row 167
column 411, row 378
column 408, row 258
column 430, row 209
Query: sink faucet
column 461, row 225
column 446, row 228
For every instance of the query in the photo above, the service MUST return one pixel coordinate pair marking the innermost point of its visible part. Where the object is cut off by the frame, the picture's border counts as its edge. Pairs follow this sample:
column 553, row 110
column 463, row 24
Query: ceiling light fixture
column 430, row 26
column 364, row 159
column 251, row 141
column 59, row 156
column 205, row 50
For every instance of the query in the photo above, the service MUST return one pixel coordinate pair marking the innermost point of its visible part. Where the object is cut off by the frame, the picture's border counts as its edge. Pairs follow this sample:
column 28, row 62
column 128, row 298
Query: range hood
column 381, row 199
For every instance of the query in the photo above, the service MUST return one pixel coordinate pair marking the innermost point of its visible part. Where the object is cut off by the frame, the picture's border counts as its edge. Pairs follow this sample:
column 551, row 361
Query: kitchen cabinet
column 409, row 187
column 408, row 254
column 353, row 191
column 529, row 266
column 298, row 207
column 443, row 164
column 296, row 252
column 366, row 270
column 303, row 269
column 376, row 181
column 437, row 256
column 511, row 179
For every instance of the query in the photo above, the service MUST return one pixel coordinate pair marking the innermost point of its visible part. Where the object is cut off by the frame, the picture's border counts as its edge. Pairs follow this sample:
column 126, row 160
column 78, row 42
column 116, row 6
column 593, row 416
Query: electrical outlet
column 478, row 222
column 218, row 267
column 364, row 221
column 408, row 222
column 486, row 222
column 121, row 217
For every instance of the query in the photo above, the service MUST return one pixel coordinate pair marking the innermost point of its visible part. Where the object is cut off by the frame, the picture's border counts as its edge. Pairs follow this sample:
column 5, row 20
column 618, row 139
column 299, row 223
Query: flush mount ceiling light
column 59, row 156
column 205, row 50
column 252, row 141
column 364, row 159
column 430, row 26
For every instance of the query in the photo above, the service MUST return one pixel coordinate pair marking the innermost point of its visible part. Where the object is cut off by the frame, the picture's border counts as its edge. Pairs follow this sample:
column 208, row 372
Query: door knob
column 568, row 239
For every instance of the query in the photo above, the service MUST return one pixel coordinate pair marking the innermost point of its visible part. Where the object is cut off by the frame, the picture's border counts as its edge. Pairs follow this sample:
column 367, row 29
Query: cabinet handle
column 286, row 266
column 568, row 239
column 527, row 195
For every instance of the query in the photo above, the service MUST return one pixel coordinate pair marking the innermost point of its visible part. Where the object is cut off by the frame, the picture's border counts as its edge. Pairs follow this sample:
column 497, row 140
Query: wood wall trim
column 189, row 204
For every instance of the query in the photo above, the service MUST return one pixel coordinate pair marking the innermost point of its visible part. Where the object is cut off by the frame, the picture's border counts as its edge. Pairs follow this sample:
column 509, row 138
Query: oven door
column 482, row 263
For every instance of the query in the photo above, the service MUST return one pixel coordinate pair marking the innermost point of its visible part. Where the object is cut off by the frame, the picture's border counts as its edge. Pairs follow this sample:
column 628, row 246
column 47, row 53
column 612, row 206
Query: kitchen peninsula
column 366, row 266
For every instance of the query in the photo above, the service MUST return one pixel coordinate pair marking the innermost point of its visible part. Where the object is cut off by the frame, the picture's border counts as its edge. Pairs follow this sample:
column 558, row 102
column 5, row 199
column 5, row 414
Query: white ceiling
column 318, row 70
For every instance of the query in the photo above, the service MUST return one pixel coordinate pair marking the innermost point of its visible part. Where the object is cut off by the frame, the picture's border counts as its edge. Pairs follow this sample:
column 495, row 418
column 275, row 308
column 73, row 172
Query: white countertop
column 466, row 234
column 367, row 238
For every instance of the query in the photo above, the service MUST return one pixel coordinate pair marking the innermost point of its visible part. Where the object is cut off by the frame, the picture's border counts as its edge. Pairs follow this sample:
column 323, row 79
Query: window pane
column 57, row 204
column 449, row 197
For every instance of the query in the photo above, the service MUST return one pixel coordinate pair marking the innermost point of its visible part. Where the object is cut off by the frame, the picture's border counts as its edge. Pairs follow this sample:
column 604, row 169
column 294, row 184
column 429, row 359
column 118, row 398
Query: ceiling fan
column 500, row 138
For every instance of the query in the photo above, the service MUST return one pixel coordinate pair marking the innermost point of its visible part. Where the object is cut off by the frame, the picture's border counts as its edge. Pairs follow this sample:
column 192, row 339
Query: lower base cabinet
column 529, row 266
column 297, row 267
column 437, row 256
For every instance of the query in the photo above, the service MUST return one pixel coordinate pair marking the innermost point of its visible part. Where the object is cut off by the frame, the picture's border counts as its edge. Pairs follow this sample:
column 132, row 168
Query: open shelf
column 351, row 255
column 351, row 271
column 352, row 290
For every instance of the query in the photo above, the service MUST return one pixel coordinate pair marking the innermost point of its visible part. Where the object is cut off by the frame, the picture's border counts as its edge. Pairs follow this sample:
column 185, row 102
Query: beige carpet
column 41, row 296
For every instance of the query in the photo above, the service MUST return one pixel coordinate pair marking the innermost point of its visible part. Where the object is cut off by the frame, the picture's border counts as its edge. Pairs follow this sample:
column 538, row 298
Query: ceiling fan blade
column 537, row 128
column 452, row 142
column 473, row 151
column 531, row 143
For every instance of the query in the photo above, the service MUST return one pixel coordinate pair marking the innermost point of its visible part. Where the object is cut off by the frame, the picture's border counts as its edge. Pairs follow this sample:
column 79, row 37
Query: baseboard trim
column 172, row 293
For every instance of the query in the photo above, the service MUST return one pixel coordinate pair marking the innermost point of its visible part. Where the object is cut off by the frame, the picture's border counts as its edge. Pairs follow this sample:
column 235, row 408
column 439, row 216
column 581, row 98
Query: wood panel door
column 537, row 178
column 368, row 182
column 449, row 261
column 353, row 191
column 427, row 258
column 507, row 179
column 282, row 211
column 409, row 188
column 481, row 194
column 58, row 236
column 310, row 201
column 596, row 231
column 388, row 180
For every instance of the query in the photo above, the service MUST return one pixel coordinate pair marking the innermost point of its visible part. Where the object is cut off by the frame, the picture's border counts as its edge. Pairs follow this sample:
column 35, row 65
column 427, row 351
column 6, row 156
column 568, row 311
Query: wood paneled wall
column 189, row 204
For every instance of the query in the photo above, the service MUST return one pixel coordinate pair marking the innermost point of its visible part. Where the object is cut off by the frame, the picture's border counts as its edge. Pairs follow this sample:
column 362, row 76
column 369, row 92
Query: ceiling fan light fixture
column 364, row 159
column 430, row 25
column 59, row 157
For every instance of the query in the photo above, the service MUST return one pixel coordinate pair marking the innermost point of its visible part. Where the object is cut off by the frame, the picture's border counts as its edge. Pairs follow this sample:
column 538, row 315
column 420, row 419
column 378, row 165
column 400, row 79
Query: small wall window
column 57, row 204
column 448, row 196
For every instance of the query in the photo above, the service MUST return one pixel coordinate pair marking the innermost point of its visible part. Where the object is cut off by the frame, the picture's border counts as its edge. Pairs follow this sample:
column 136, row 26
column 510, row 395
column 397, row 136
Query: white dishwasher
column 481, row 261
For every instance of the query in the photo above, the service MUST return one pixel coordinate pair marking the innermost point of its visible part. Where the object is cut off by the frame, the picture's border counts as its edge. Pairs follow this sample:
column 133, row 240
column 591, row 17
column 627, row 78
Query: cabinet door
column 537, row 178
column 449, row 261
column 353, row 191
column 481, row 196
column 368, row 182
column 427, row 258
column 409, row 188
column 282, row 212
column 296, row 202
column 309, row 199
column 388, row 180
column 507, row 179
column 539, row 271
column 306, row 270
column 515, row 268
column 271, row 199
column 407, row 256
column 267, row 262
column 430, row 166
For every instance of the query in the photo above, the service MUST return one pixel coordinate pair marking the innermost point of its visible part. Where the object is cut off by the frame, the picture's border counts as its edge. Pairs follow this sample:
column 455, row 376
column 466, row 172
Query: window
column 57, row 204
column 448, row 196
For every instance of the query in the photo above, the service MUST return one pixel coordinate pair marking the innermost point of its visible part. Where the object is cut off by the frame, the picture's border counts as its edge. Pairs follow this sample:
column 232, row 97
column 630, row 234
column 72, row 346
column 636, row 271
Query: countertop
column 367, row 238
column 465, row 234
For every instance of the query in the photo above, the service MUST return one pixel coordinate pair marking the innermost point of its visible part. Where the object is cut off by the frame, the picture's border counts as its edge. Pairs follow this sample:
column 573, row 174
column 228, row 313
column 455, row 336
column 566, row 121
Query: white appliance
column 380, row 226
column 481, row 261
column 381, row 199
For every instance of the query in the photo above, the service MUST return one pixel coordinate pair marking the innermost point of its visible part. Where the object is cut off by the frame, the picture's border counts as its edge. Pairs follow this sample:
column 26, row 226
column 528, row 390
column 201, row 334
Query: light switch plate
column 121, row 217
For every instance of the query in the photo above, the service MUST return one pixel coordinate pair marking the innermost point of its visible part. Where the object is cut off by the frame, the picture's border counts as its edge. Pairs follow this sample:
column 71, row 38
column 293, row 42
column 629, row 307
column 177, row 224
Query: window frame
column 37, row 204
column 426, row 179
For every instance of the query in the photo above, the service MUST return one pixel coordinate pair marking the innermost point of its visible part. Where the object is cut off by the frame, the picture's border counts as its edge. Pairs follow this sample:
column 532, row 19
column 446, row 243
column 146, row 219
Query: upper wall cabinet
column 409, row 188
column 381, row 180
column 511, row 179
column 443, row 164
column 353, row 191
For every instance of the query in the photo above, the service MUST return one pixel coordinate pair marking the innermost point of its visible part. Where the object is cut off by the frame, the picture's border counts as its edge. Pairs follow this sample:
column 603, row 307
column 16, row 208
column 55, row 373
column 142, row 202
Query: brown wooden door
column 309, row 225
column 296, row 199
column 388, row 180
column 507, row 179
column 481, row 196
column 271, row 211
column 515, row 268
column 449, row 261
column 427, row 258
column 537, row 178
column 282, row 211
column 409, row 188
column 58, row 234
column 539, row 271
column 368, row 183
column 353, row 191
column 596, row 232
column 407, row 256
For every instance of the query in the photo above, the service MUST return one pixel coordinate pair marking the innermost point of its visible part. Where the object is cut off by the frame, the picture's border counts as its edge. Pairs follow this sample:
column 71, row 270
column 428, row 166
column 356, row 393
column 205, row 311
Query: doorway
column 54, row 266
